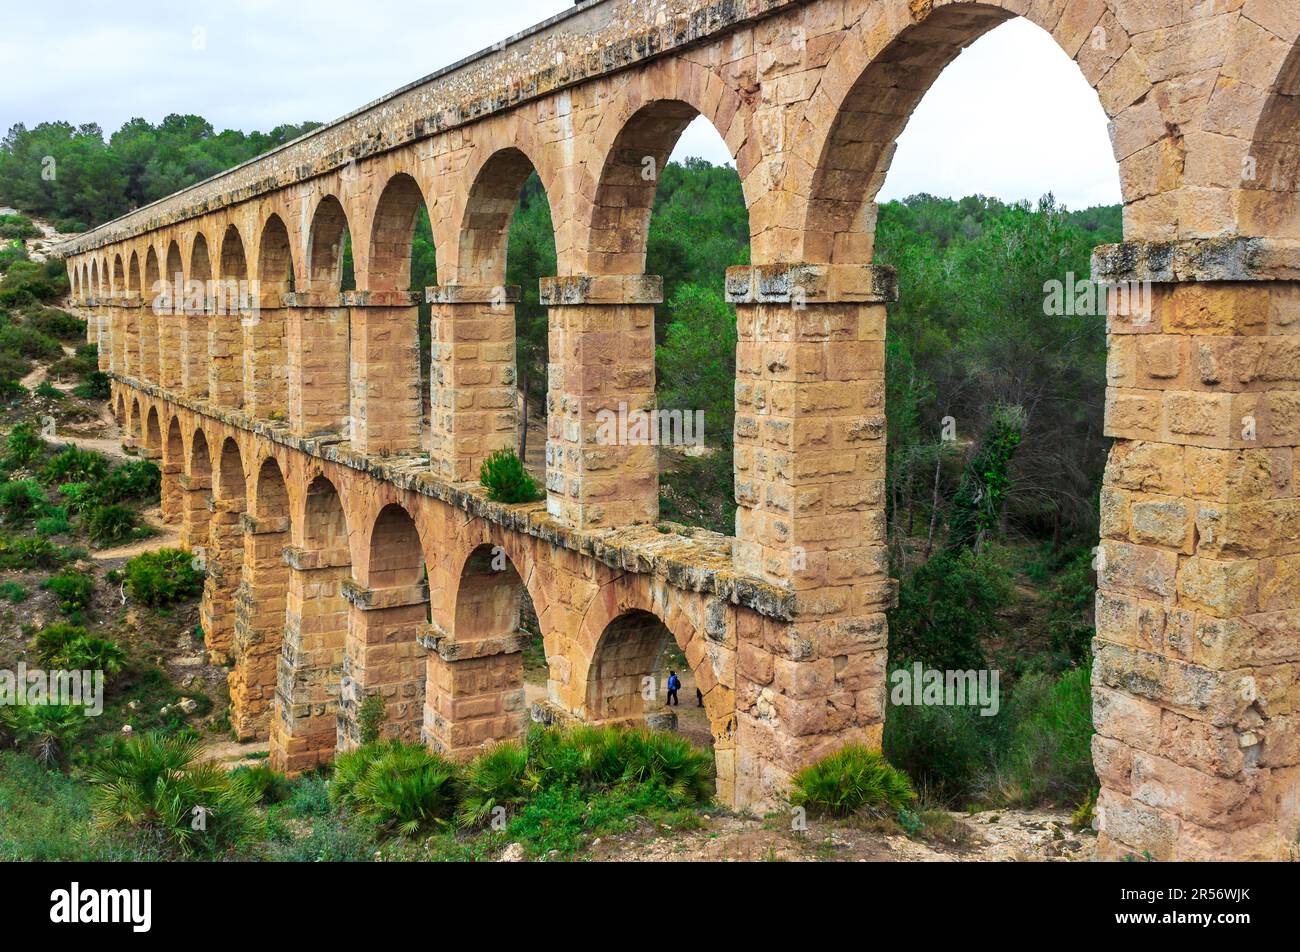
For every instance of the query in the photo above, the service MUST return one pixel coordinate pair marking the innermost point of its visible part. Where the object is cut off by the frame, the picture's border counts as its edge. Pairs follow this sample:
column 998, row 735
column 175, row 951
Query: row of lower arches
column 316, row 611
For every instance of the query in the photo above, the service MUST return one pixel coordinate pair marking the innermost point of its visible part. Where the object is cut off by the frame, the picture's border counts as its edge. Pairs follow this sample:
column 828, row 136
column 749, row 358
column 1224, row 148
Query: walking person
column 674, row 685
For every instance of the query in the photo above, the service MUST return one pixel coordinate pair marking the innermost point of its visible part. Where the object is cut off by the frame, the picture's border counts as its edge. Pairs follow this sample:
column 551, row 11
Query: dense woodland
column 995, row 439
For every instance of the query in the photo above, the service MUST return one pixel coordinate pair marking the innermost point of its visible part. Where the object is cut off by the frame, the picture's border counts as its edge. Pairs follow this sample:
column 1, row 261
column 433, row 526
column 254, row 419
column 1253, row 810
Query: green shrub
column 163, row 577
column 78, row 496
column 1049, row 755
column 591, row 757
column 1070, row 626
column 96, row 386
column 155, row 785
column 48, row 391
column 506, row 480
column 945, row 750
column 266, row 785
column 13, row 592
column 399, row 787
column 75, row 465
column 55, row 323
column 71, row 368
column 493, row 779
column 17, row 226
column 56, row 523
column 948, row 609
column 11, row 391
column 110, row 525
column 139, row 479
column 70, row 648
column 30, row 343
column 23, row 445
column 46, row 731
column 563, row 818
column 21, row 500
column 73, row 589
column 45, row 816
column 11, row 253
column 33, row 552
column 848, row 781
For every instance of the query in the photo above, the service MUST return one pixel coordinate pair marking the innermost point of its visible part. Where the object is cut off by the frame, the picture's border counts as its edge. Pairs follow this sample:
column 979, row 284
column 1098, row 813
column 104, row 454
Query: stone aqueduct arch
column 292, row 454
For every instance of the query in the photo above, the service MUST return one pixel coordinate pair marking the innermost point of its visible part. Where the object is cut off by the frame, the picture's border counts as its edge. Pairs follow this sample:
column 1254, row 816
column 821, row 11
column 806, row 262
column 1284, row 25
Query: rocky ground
column 992, row 836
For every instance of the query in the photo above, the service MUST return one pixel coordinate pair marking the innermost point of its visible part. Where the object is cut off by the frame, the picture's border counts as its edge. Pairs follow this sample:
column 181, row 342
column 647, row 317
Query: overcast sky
column 1011, row 117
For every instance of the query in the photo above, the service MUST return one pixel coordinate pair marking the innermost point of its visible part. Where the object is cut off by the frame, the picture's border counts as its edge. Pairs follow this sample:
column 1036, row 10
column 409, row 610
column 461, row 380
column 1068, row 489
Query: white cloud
column 1011, row 117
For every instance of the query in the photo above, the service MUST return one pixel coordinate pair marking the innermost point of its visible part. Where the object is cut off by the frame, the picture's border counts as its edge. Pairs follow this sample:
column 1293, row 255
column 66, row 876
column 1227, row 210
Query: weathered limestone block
column 171, row 336
column 172, row 495
column 265, row 358
column 99, row 327
column 194, row 354
column 474, row 694
column 602, row 429
column 473, row 387
column 225, row 367
column 223, row 560
column 385, row 374
column 130, row 325
column 1196, row 655
column 150, row 367
column 195, row 513
column 318, row 358
column 115, row 336
column 382, row 656
column 304, row 729
column 260, row 603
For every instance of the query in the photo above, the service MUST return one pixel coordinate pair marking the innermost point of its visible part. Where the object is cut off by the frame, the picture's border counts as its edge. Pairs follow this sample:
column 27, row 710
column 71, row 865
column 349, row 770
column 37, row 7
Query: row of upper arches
column 809, row 174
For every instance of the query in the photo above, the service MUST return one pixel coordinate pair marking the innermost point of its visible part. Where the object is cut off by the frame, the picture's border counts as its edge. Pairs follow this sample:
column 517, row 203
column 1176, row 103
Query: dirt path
column 997, row 836
column 230, row 754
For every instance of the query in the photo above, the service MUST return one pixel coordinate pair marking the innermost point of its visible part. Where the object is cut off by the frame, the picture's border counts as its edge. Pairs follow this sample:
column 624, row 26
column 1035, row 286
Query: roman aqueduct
column 351, row 552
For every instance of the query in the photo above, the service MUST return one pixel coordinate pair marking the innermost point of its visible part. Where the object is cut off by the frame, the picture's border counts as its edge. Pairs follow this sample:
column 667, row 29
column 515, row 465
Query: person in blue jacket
column 674, row 685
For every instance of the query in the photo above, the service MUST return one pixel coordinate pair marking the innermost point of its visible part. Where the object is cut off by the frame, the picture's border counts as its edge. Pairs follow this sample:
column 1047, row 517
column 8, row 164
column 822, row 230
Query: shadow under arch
column 1272, row 169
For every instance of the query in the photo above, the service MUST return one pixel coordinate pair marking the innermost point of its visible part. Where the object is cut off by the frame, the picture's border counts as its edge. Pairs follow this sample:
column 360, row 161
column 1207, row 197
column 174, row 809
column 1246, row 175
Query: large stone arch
column 486, row 209
column 135, row 422
column 275, row 265
column 173, row 466
column 878, row 75
column 152, row 433
column 474, row 692
column 152, row 272
column 225, row 343
column 388, row 616
column 200, row 258
column 305, row 727
column 386, row 265
column 324, row 245
column 171, row 320
column 225, row 551
column 260, row 603
column 1269, row 172
column 194, row 363
column 196, row 484
column 642, row 124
